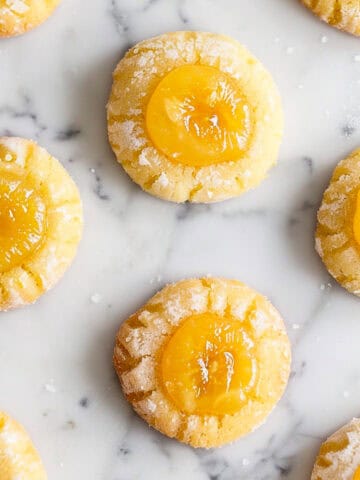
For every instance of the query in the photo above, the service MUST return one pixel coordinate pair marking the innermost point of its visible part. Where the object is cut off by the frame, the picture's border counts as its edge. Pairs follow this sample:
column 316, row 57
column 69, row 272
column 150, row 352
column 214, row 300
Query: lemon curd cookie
column 339, row 456
column 342, row 14
column 204, row 361
column 18, row 457
column 338, row 230
column 40, row 221
column 19, row 16
column 194, row 117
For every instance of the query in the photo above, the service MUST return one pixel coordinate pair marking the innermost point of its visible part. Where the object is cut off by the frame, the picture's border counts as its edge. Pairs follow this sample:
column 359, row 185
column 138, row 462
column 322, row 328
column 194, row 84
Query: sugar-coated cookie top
column 40, row 221
column 18, row 457
column 193, row 116
column 342, row 14
column 339, row 456
column 338, row 229
column 19, row 16
column 204, row 361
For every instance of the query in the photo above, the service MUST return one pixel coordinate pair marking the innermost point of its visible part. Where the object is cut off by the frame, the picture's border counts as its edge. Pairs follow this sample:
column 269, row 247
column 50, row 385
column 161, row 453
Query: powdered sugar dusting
column 163, row 180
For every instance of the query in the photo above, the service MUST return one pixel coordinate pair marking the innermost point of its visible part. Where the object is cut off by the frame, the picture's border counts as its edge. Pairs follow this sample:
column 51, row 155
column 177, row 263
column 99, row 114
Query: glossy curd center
column 198, row 116
column 22, row 220
column 357, row 474
column 356, row 225
column 209, row 366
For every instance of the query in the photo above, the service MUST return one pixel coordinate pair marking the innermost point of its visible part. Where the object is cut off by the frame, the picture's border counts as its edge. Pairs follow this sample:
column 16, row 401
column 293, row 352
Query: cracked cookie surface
column 204, row 361
column 338, row 230
column 339, row 455
column 342, row 14
column 193, row 116
column 40, row 221
column 19, row 16
column 18, row 457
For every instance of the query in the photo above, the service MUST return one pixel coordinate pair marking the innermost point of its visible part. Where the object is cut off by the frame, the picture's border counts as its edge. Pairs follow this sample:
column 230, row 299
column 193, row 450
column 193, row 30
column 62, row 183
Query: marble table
column 56, row 375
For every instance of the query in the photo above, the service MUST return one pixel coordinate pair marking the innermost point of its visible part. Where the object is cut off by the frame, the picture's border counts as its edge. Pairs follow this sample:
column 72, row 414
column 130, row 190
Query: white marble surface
column 56, row 375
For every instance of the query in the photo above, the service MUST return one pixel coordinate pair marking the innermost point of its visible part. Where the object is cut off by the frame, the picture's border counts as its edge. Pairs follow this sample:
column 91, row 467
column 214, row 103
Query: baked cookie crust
column 335, row 238
column 342, row 14
column 41, row 192
column 18, row 457
column 143, row 338
column 339, row 456
column 19, row 16
column 136, row 78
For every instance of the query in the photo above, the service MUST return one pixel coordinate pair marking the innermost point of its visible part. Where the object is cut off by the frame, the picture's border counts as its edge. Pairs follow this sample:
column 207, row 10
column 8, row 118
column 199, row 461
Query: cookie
column 342, row 14
column 338, row 230
column 19, row 16
column 339, row 456
column 204, row 361
column 18, row 457
column 193, row 116
column 40, row 221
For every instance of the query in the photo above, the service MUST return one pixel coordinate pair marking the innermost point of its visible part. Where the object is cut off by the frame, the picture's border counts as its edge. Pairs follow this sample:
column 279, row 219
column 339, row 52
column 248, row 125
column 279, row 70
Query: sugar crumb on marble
column 50, row 386
column 96, row 298
column 324, row 39
column 157, row 279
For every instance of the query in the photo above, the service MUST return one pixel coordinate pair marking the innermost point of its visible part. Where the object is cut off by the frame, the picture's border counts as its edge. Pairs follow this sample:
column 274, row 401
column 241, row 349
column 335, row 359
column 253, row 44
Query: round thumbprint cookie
column 338, row 230
column 40, row 221
column 194, row 117
column 339, row 455
column 342, row 14
column 18, row 457
column 19, row 16
column 204, row 361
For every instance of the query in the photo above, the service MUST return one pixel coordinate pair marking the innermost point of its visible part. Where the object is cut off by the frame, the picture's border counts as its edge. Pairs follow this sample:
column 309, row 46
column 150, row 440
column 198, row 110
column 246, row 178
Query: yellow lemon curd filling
column 22, row 220
column 357, row 474
column 208, row 366
column 356, row 223
column 198, row 116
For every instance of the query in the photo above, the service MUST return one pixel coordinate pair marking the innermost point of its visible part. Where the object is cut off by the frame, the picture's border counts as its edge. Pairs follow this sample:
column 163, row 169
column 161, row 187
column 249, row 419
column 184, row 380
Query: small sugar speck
column 245, row 462
column 92, row 170
column 300, row 86
column 290, row 50
column 324, row 39
column 50, row 386
column 346, row 394
column 295, row 326
column 322, row 286
column 96, row 298
column 356, row 58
